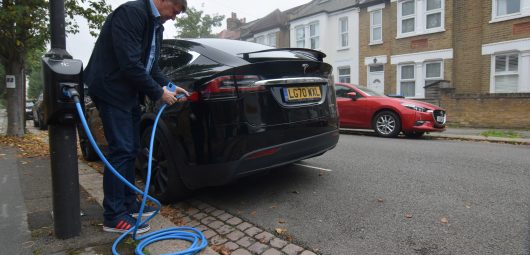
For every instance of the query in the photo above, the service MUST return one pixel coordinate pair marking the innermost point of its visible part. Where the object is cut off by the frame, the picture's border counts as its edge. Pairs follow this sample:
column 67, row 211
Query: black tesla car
column 251, row 108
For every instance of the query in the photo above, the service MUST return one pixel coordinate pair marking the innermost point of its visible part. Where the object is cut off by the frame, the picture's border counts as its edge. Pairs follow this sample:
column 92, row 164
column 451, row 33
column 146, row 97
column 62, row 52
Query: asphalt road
column 394, row 196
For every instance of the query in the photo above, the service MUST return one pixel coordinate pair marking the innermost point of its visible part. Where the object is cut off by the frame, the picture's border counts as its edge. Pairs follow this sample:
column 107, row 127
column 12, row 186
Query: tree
column 24, row 30
column 194, row 25
column 34, row 71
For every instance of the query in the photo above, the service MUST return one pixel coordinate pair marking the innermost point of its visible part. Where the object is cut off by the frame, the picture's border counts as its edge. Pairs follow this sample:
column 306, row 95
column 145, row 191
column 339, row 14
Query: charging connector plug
column 69, row 91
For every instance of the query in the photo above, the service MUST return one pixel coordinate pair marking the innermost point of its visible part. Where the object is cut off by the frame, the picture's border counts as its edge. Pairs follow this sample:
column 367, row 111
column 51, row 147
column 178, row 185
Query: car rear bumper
column 255, row 161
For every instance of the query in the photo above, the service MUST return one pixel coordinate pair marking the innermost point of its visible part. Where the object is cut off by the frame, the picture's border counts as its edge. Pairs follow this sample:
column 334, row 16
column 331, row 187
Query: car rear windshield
column 238, row 48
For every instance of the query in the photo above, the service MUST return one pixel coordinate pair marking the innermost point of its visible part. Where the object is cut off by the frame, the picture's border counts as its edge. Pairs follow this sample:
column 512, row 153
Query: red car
column 362, row 108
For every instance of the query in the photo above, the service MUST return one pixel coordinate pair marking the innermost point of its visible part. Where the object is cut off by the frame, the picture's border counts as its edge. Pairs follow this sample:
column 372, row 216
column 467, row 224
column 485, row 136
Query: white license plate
column 440, row 119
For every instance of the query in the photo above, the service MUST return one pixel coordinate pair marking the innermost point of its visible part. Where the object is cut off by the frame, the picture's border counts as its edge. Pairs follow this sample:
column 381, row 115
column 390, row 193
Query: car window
column 342, row 91
column 368, row 91
column 176, row 58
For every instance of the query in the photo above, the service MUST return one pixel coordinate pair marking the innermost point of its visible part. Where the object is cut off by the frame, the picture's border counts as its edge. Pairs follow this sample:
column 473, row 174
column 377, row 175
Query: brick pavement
column 232, row 233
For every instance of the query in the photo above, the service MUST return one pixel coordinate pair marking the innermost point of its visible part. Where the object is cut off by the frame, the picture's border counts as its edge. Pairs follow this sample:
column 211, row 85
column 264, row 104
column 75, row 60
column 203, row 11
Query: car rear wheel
column 414, row 134
column 387, row 124
column 166, row 183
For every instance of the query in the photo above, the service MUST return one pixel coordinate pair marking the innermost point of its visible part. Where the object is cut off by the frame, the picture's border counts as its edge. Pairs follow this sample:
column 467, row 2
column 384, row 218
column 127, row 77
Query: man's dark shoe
column 124, row 224
column 148, row 210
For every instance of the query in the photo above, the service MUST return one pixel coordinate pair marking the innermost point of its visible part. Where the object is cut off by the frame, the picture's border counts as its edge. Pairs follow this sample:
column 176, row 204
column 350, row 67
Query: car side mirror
column 352, row 95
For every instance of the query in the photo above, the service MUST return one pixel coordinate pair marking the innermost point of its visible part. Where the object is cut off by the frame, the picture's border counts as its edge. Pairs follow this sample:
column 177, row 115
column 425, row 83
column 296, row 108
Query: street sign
column 10, row 81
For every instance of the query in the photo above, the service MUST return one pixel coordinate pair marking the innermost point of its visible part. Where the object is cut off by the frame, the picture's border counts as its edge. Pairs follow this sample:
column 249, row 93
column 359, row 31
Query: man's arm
column 128, row 28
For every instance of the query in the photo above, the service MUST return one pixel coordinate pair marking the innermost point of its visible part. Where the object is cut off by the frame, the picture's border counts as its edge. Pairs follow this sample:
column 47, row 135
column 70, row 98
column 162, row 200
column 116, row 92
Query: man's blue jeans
column 122, row 132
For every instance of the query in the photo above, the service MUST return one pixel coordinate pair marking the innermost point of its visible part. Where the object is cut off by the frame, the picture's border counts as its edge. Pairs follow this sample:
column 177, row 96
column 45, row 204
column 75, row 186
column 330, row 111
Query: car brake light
column 228, row 86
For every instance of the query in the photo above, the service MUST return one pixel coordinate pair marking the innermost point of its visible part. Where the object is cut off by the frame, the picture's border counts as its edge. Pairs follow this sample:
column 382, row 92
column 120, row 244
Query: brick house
column 471, row 57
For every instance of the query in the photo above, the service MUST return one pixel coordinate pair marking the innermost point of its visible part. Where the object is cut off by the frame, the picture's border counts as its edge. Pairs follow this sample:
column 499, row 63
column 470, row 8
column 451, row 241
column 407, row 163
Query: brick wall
column 487, row 110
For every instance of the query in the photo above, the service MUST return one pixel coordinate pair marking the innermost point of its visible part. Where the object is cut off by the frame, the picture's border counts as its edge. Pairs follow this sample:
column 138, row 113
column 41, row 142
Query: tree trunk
column 15, row 99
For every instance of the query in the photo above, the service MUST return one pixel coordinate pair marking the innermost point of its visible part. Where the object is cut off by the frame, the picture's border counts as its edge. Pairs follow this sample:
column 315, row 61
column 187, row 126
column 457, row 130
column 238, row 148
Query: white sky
column 80, row 45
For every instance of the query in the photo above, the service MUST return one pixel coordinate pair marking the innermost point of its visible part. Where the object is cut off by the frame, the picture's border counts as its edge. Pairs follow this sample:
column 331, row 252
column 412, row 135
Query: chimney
column 233, row 23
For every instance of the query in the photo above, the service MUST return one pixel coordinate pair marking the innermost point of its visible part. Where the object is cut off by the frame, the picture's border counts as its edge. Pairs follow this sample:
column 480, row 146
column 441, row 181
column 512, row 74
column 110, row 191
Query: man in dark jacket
column 123, row 66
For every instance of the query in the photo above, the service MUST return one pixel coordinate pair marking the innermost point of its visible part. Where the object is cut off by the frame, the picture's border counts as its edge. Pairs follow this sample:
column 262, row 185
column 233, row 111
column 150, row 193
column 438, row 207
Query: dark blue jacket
column 116, row 72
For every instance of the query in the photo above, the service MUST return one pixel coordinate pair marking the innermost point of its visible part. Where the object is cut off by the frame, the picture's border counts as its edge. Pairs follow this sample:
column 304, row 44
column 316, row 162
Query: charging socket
column 59, row 74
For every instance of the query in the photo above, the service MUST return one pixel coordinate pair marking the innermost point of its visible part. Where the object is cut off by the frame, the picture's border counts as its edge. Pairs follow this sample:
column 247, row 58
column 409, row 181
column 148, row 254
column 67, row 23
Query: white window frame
column 524, row 11
column 315, row 37
column 300, row 40
column 270, row 42
column 410, row 16
column 400, row 66
column 506, row 72
column 262, row 38
column 440, row 10
column 420, row 18
column 441, row 77
column 342, row 76
column 344, row 33
column 373, row 27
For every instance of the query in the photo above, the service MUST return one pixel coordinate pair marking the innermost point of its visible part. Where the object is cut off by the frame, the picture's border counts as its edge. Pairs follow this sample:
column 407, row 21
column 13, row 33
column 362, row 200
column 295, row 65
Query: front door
column 376, row 78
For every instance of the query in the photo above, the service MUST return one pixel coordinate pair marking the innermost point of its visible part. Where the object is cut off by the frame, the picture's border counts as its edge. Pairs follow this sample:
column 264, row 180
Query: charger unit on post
column 59, row 71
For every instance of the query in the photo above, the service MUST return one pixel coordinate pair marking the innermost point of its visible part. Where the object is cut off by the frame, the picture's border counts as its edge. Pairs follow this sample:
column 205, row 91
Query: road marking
column 314, row 167
column 4, row 211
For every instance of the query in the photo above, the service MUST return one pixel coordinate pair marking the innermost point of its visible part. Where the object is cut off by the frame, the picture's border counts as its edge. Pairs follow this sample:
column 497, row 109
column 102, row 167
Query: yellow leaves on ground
column 29, row 146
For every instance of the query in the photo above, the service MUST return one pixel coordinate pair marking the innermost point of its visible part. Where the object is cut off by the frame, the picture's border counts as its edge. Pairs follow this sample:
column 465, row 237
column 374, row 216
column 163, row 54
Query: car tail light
column 228, row 86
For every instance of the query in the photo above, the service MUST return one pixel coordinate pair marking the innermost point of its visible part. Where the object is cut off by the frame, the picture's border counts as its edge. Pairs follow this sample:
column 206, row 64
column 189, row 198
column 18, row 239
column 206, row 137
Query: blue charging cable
column 192, row 235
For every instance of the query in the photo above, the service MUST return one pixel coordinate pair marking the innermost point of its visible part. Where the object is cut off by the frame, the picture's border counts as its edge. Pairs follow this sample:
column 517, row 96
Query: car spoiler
column 314, row 54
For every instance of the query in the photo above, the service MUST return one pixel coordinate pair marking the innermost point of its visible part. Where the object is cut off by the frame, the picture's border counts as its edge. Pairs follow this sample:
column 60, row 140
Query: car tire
column 387, row 124
column 42, row 124
column 414, row 134
column 166, row 184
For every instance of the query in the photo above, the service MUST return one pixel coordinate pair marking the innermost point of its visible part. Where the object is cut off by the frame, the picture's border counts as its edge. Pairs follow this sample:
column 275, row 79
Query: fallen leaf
column 380, row 200
column 444, row 220
column 24, row 162
column 281, row 231
column 282, row 221
column 408, row 215
column 274, row 206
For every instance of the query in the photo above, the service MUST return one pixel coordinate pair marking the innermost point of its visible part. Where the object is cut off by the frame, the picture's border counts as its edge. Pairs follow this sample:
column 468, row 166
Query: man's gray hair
column 184, row 4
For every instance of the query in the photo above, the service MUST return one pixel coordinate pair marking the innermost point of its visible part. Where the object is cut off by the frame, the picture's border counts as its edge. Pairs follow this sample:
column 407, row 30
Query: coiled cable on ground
column 192, row 235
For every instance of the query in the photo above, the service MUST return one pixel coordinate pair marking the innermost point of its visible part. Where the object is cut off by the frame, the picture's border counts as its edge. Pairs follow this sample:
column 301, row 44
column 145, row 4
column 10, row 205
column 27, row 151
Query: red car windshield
column 369, row 92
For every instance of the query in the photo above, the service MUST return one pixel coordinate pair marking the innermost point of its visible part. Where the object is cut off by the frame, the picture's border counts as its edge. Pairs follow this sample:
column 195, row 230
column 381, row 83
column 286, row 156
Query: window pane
column 376, row 68
column 407, row 72
column 513, row 63
column 300, row 34
column 408, row 89
column 505, row 7
column 434, row 4
column 315, row 43
column 407, row 25
column 345, row 79
column 344, row 40
column 377, row 34
column 433, row 70
column 344, row 25
column 407, row 8
column 434, row 20
column 344, row 71
column 506, row 83
column 500, row 63
column 376, row 18
column 313, row 30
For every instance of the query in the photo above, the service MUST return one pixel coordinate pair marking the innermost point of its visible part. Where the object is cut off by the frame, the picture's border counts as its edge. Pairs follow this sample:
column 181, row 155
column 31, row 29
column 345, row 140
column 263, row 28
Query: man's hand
column 170, row 97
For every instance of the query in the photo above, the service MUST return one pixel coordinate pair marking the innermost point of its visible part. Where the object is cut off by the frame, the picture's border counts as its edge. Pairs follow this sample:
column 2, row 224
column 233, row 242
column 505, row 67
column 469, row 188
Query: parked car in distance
column 251, row 108
column 362, row 108
column 28, row 115
column 38, row 114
